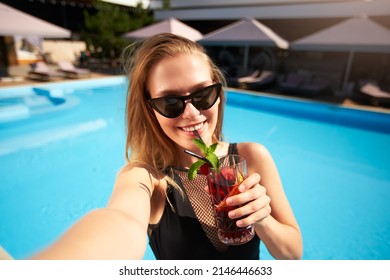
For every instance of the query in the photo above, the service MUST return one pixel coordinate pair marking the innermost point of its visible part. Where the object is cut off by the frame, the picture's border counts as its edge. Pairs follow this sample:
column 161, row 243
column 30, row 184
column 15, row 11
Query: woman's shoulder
column 138, row 168
column 257, row 156
column 138, row 173
column 251, row 148
column 255, row 153
column 246, row 149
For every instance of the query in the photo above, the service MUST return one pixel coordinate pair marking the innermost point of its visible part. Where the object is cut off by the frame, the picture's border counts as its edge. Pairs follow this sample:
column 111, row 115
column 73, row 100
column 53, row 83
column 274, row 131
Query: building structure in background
column 290, row 19
column 132, row 3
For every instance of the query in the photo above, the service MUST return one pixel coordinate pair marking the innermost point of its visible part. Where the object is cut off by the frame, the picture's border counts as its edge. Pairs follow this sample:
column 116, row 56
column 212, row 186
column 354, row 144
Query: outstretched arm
column 118, row 231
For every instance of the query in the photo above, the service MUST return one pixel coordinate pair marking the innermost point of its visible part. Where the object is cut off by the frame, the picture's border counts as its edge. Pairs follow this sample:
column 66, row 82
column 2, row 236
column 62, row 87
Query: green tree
column 166, row 4
column 105, row 27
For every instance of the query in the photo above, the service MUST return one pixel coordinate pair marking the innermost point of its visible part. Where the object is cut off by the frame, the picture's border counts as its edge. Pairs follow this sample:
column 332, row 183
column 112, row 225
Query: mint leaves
column 203, row 164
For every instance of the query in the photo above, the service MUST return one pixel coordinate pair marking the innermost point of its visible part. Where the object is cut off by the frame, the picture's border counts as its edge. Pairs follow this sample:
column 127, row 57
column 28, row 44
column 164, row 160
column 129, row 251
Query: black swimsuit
column 187, row 227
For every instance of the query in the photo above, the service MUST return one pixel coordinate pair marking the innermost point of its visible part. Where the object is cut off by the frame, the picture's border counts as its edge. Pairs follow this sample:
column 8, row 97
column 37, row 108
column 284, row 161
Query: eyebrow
column 170, row 92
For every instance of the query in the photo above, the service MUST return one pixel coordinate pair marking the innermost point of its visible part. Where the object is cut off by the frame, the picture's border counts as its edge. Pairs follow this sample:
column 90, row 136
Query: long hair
column 146, row 143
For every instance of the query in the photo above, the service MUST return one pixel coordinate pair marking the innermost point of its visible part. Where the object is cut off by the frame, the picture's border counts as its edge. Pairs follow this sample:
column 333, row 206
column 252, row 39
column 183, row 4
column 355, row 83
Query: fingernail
column 241, row 188
column 229, row 200
column 232, row 214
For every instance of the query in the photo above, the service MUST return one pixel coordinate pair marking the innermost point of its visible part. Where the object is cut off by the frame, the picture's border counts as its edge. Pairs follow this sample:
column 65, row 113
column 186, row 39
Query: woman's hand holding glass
column 254, row 200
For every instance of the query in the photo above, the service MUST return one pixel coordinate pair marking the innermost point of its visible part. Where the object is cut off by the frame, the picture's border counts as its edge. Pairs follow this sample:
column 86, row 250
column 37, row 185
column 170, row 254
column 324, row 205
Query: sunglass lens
column 206, row 97
column 169, row 107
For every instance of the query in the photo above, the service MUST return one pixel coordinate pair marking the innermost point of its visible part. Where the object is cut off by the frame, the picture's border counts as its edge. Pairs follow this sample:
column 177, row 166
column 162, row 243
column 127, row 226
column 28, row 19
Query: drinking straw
column 198, row 135
column 198, row 156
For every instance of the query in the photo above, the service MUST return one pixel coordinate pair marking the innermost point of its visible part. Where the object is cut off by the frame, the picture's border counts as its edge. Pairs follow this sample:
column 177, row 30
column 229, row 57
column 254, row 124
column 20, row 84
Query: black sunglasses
column 173, row 106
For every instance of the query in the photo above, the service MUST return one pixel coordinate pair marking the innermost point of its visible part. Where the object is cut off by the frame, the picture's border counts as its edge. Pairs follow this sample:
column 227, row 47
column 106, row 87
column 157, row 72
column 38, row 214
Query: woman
column 152, row 196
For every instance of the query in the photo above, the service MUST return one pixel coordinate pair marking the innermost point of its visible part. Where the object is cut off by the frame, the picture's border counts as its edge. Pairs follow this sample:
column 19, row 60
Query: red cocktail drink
column 224, row 183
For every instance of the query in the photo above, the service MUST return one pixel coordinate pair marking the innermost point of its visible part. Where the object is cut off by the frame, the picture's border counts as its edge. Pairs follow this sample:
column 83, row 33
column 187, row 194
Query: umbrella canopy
column 14, row 22
column 358, row 34
column 354, row 34
column 170, row 25
column 245, row 32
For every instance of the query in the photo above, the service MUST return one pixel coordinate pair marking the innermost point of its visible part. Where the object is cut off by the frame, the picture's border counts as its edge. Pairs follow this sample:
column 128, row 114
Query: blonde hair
column 146, row 142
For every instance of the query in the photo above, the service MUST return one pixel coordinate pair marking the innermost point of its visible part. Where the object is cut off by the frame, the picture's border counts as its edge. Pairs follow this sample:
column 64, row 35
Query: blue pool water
column 62, row 144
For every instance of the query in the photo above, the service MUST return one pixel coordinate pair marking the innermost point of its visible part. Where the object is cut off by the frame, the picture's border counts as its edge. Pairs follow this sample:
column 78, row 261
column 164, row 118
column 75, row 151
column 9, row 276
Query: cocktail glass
column 223, row 183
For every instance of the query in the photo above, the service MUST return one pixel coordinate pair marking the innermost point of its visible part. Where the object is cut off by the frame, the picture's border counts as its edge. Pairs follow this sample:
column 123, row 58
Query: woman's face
column 182, row 75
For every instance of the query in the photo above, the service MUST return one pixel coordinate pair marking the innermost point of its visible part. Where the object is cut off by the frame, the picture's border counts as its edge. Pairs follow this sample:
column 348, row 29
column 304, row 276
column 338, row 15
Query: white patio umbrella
column 245, row 32
column 170, row 25
column 14, row 22
column 357, row 34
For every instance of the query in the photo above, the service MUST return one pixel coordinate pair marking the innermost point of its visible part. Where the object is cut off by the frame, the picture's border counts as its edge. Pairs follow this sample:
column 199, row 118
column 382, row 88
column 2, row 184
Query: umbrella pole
column 246, row 57
column 348, row 72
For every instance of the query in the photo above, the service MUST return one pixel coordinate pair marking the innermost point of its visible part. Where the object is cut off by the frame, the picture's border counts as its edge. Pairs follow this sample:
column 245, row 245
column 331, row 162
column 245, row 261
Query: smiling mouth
column 193, row 127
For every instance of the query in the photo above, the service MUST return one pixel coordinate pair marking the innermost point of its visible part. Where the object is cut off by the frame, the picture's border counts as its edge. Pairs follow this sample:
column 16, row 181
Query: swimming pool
column 59, row 158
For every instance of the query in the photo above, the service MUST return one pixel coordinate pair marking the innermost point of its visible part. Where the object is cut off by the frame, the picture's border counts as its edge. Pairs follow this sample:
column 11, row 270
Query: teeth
column 193, row 128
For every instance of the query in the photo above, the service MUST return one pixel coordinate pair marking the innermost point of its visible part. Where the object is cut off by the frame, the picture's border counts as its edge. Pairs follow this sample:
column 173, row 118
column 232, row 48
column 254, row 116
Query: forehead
column 178, row 73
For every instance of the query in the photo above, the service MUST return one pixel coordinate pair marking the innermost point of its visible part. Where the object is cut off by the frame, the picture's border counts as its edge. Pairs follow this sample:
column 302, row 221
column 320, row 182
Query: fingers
column 252, row 212
column 255, row 205
column 249, row 182
column 250, row 193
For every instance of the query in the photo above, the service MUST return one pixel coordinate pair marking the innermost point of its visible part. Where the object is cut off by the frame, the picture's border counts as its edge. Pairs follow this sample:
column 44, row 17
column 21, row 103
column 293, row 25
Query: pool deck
column 20, row 72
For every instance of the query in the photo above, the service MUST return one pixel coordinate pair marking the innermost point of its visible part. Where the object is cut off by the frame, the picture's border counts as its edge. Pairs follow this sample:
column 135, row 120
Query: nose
column 190, row 111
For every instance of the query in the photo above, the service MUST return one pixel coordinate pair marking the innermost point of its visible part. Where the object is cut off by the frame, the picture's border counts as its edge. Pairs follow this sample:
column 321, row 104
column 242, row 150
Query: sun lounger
column 315, row 86
column 372, row 93
column 41, row 71
column 266, row 79
column 71, row 71
column 5, row 77
column 292, row 82
column 235, row 81
column 10, row 79
column 255, row 74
